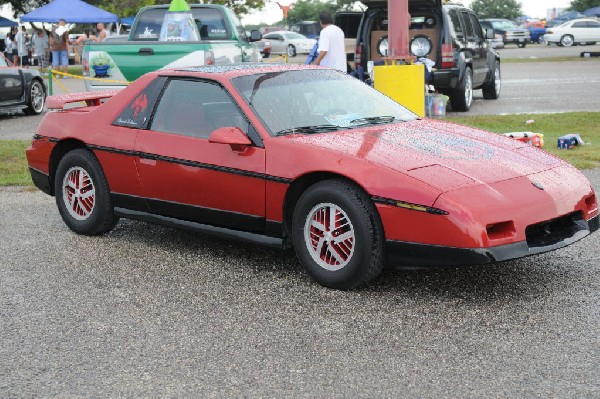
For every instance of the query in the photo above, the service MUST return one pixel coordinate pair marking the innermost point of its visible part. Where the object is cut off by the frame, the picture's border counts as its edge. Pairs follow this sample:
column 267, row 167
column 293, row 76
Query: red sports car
column 306, row 157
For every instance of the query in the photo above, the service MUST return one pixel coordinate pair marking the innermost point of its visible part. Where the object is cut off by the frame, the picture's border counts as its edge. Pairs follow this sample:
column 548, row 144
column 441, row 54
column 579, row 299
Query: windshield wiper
column 373, row 120
column 309, row 129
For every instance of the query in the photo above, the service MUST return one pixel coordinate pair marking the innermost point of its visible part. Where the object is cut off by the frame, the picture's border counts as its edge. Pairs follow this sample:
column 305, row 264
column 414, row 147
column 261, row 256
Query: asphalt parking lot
column 148, row 311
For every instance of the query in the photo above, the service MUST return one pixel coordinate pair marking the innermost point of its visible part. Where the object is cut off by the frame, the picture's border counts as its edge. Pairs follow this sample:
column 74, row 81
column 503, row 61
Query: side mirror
column 489, row 33
column 232, row 135
column 255, row 35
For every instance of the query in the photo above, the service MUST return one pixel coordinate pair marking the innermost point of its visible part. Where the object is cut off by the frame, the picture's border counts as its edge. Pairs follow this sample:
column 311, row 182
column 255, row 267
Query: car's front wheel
column 83, row 195
column 291, row 50
column 491, row 90
column 461, row 98
column 37, row 98
column 567, row 41
column 337, row 234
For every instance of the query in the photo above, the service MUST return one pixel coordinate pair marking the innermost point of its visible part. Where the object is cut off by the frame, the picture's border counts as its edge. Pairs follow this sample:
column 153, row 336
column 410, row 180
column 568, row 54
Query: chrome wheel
column 79, row 193
column 497, row 81
column 329, row 236
column 567, row 40
column 37, row 96
column 468, row 90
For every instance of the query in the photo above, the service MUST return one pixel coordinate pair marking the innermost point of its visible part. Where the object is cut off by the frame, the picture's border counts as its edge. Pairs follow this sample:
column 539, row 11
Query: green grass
column 13, row 164
column 587, row 124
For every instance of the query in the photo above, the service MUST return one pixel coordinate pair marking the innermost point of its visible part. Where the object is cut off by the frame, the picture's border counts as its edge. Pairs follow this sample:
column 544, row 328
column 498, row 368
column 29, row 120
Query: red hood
column 443, row 155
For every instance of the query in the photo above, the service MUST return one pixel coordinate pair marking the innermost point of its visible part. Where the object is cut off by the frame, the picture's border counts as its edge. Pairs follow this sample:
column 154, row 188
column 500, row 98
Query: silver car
column 290, row 43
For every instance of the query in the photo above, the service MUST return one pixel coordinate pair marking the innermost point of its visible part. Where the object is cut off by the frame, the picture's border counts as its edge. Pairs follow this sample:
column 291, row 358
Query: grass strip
column 13, row 164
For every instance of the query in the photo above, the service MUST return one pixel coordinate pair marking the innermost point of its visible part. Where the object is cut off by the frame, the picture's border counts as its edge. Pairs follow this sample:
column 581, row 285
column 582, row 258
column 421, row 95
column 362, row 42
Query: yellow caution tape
column 285, row 57
column 89, row 78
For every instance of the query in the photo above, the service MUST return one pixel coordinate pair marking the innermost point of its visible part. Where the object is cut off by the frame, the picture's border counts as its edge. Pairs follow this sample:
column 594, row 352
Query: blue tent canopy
column 7, row 22
column 593, row 12
column 72, row 11
column 127, row 20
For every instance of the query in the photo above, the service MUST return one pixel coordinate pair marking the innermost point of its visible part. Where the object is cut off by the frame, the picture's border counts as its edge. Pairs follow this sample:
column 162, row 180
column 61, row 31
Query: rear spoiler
column 90, row 98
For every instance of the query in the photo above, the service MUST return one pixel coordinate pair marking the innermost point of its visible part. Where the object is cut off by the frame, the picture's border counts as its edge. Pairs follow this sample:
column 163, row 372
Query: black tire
column 491, row 90
column 521, row 45
column 462, row 97
column 36, row 99
column 361, row 252
column 291, row 50
column 91, row 215
column 567, row 41
column 266, row 55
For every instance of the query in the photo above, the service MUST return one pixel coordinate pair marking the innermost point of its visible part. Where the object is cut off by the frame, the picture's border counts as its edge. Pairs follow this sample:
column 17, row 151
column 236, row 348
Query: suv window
column 456, row 24
column 467, row 24
column 210, row 21
column 196, row 108
column 478, row 33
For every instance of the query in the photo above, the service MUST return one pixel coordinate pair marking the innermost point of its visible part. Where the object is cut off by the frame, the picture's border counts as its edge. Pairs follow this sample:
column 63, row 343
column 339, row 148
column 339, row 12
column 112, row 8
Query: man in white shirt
column 21, row 39
column 332, row 49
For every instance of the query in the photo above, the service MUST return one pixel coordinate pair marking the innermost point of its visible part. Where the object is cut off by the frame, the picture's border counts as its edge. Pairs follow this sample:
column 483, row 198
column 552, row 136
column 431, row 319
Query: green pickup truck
column 223, row 40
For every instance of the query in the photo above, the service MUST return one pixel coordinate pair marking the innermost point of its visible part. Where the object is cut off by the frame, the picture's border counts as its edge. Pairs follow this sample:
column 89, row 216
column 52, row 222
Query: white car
column 290, row 43
column 577, row 31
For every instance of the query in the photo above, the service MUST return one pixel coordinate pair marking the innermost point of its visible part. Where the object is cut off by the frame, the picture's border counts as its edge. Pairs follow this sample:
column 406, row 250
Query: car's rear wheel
column 37, row 98
column 337, row 235
column 291, row 50
column 83, row 195
column 521, row 45
column 266, row 55
column 567, row 41
column 462, row 97
column 491, row 90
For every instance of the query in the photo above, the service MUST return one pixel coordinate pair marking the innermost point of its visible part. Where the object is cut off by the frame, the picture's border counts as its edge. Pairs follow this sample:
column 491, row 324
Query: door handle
column 146, row 51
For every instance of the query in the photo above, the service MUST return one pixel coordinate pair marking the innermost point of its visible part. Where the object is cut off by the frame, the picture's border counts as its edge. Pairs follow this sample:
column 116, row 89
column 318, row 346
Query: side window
column 137, row 113
column 476, row 27
column 456, row 24
column 593, row 24
column 196, row 108
column 468, row 27
column 579, row 25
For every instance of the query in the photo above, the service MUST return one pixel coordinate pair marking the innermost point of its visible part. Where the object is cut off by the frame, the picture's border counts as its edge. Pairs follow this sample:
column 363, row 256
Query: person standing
column 332, row 49
column 102, row 33
column 22, row 51
column 40, row 43
column 59, row 45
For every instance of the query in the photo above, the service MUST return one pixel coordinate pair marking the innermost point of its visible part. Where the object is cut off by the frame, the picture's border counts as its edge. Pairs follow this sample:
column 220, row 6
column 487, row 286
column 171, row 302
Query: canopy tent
column 593, row 12
column 72, row 11
column 127, row 20
column 7, row 22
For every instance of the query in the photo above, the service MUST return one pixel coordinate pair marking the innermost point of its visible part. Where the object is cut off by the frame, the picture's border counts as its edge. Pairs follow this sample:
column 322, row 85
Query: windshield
column 503, row 24
column 316, row 101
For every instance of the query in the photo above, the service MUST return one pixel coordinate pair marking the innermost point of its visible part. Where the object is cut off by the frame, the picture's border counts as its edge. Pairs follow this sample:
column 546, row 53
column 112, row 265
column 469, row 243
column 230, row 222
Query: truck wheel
column 291, row 50
column 462, row 97
column 337, row 235
column 37, row 98
column 567, row 40
column 522, row 45
column 491, row 90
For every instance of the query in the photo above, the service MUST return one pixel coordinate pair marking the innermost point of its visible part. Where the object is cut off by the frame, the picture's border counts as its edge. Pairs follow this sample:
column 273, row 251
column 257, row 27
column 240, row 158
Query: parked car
column 577, row 31
column 450, row 35
column 309, row 157
column 21, row 88
column 511, row 32
column 564, row 17
column 290, row 43
column 264, row 46
column 310, row 29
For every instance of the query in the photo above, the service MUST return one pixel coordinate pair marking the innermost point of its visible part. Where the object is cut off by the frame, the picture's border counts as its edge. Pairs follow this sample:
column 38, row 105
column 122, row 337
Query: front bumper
column 416, row 254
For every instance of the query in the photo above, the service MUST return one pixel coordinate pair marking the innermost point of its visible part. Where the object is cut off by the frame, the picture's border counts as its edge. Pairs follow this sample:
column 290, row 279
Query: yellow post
column 404, row 84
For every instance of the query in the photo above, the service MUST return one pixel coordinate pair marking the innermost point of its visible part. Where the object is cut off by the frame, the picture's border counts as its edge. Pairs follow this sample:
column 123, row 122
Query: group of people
column 19, row 47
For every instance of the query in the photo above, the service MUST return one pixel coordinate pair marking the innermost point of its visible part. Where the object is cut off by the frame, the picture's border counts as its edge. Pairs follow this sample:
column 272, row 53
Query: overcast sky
column 533, row 8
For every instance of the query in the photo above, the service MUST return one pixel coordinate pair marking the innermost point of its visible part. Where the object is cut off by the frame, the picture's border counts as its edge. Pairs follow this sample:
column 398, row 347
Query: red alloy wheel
column 79, row 193
column 329, row 236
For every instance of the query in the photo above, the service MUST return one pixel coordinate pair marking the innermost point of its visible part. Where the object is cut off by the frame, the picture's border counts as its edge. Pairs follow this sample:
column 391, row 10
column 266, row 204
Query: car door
column 11, row 83
column 593, row 28
column 185, row 176
column 476, row 44
column 580, row 31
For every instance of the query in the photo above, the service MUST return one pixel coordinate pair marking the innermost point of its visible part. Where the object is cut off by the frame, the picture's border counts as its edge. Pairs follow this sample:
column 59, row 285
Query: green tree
column 509, row 9
column 308, row 10
column 582, row 5
column 24, row 6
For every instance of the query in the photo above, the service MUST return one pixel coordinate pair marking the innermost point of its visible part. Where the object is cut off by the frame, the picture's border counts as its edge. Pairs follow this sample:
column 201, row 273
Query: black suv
column 449, row 34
